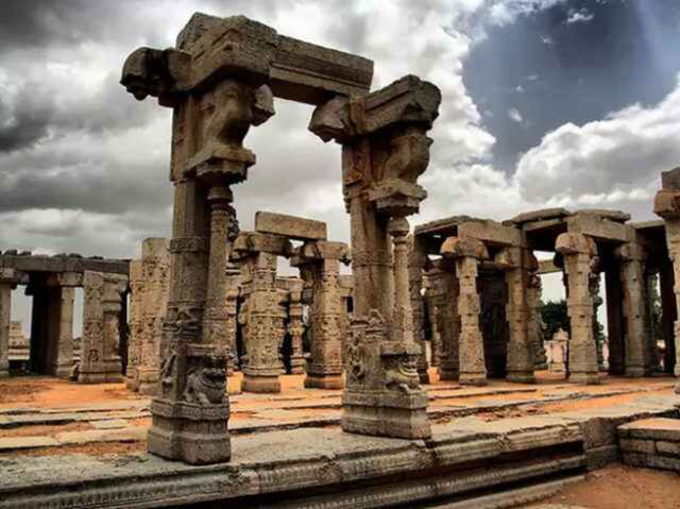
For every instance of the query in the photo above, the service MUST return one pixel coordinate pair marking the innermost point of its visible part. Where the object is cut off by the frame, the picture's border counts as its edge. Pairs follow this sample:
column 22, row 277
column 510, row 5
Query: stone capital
column 464, row 247
column 629, row 252
column 13, row 276
column 575, row 243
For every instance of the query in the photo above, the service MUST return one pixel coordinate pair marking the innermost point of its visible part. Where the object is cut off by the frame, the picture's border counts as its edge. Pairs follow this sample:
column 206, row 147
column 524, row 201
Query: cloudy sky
column 571, row 103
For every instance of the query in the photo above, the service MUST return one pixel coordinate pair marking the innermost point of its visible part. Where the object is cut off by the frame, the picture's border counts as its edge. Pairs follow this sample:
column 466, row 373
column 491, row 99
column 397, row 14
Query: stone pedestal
column 467, row 252
column 520, row 276
column 581, row 267
column 319, row 264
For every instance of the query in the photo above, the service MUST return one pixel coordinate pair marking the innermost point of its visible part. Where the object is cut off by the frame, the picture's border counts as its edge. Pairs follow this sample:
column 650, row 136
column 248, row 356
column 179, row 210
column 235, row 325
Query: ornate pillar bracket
column 632, row 257
column 467, row 253
column 667, row 206
column 385, row 150
column 581, row 265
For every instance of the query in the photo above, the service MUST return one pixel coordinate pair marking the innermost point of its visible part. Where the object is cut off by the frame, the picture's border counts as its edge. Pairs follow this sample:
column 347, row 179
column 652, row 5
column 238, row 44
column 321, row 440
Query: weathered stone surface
column 540, row 215
column 636, row 445
column 297, row 228
column 652, row 429
column 13, row 444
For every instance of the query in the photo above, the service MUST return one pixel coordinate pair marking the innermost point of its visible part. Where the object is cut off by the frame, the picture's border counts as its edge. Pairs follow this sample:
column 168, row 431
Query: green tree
column 554, row 316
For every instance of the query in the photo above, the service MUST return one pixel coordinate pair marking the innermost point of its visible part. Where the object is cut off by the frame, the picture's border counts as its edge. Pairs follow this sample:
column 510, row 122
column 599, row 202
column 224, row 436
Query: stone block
column 636, row 445
column 652, row 429
column 297, row 228
column 16, row 443
column 634, row 459
column 599, row 457
column 668, row 448
column 663, row 463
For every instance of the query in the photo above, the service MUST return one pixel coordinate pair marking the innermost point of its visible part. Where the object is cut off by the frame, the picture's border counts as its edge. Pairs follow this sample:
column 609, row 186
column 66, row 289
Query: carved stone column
column 233, row 283
column 136, row 324
column 631, row 257
column 444, row 294
column 667, row 206
column 385, row 149
column 5, row 316
column 63, row 365
column 535, row 325
column 581, row 266
column 433, row 294
column 263, row 315
column 155, row 293
column 416, row 265
column 319, row 264
column 296, row 327
column 520, row 359
column 467, row 252
column 99, row 358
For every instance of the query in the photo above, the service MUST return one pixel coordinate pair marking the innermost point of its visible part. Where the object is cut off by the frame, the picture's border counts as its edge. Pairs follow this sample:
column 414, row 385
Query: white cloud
column 614, row 160
column 515, row 115
column 582, row 16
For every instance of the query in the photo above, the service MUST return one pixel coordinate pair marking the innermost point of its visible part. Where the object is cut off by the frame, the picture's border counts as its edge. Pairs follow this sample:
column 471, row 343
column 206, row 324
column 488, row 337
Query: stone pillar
column 155, row 277
column 535, row 325
column 581, row 266
column 385, row 150
column 432, row 299
column 64, row 359
column 444, row 295
column 521, row 268
column 5, row 316
column 137, row 287
column 667, row 205
column 233, row 283
column 631, row 258
column 319, row 264
column 615, row 319
column 296, row 327
column 467, row 252
column 416, row 265
column 263, row 315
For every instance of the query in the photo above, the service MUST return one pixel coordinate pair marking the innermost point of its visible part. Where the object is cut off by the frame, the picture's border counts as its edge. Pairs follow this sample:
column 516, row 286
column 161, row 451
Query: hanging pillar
column 521, row 267
column 580, row 264
column 631, row 258
column 416, row 265
column 667, row 205
column 385, row 149
column 263, row 313
column 319, row 264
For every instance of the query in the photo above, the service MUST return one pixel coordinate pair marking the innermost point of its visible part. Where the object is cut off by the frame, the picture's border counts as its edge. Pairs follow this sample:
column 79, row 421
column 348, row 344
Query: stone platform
column 502, row 445
column 651, row 443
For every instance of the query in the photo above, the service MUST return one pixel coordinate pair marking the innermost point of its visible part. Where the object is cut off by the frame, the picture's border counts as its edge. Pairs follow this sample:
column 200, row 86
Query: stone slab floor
column 46, row 416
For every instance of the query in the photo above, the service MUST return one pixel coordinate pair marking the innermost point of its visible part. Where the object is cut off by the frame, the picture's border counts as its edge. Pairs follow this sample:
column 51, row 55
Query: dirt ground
column 621, row 487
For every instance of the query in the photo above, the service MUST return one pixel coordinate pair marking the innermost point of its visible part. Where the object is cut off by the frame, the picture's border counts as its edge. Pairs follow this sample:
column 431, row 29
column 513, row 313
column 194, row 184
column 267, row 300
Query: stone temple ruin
column 382, row 331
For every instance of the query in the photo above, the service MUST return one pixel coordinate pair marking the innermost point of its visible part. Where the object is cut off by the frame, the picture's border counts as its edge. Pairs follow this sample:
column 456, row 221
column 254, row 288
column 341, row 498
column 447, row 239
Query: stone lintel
column 62, row 263
column 211, row 48
column 540, row 215
column 72, row 279
column 297, row 228
column 544, row 224
column 447, row 227
column 617, row 216
column 251, row 242
column 492, row 232
column 547, row 267
column 598, row 228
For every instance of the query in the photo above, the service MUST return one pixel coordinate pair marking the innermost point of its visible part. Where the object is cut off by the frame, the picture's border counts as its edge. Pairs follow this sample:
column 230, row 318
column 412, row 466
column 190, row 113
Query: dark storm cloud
column 574, row 62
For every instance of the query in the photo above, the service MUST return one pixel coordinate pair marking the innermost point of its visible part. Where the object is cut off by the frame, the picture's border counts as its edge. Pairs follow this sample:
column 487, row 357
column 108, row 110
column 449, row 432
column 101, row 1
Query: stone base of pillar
column 188, row 432
column 132, row 383
column 148, row 380
column 521, row 377
column 635, row 372
column 584, row 378
column 448, row 374
column 320, row 381
column 297, row 365
column 386, row 414
column 108, row 371
column 259, row 383
column 63, row 371
column 475, row 379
